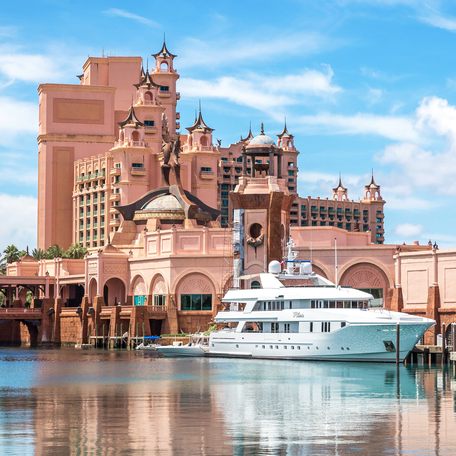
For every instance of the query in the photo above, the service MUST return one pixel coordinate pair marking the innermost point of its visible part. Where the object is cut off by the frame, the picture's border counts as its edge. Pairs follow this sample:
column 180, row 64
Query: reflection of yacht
column 319, row 321
column 197, row 346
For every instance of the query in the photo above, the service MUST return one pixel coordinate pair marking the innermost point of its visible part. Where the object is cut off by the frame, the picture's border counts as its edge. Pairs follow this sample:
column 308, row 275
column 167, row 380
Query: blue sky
column 363, row 83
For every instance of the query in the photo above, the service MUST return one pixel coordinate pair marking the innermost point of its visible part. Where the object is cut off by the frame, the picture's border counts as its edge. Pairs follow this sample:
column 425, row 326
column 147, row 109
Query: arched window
column 135, row 136
column 255, row 284
column 164, row 66
column 203, row 141
column 148, row 97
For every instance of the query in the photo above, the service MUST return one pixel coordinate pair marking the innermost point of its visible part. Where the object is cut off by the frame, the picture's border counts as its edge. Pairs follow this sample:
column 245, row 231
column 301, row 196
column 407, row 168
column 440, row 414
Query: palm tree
column 12, row 254
column 39, row 254
column 54, row 251
column 75, row 251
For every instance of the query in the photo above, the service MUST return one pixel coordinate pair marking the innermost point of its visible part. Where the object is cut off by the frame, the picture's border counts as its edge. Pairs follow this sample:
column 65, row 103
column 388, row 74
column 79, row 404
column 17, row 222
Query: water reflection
column 66, row 402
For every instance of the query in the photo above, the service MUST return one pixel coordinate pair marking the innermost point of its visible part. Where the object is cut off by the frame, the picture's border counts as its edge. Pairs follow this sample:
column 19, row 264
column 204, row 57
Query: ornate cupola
column 372, row 190
column 131, row 131
column 147, row 90
column 264, row 155
column 340, row 192
column 286, row 138
column 200, row 135
column 164, row 60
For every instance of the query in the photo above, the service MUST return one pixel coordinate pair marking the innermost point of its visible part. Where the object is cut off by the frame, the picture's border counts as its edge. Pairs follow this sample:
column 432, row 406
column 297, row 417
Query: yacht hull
column 364, row 342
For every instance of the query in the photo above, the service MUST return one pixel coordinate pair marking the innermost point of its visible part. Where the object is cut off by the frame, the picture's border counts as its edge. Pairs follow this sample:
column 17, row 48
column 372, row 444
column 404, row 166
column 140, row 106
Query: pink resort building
column 167, row 218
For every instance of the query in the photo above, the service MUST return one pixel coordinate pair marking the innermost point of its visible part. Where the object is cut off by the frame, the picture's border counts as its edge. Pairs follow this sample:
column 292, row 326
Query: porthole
column 341, row 348
column 213, row 345
column 285, row 347
column 292, row 347
column 348, row 348
column 316, row 348
column 264, row 346
column 308, row 347
column 328, row 348
column 299, row 347
column 256, row 346
column 277, row 347
column 271, row 346
column 237, row 346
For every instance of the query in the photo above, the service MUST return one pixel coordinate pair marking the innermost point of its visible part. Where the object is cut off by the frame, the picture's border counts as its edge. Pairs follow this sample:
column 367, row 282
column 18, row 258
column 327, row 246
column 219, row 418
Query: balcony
column 150, row 130
column 138, row 171
column 128, row 143
column 114, row 197
column 114, row 222
column 114, row 172
column 208, row 175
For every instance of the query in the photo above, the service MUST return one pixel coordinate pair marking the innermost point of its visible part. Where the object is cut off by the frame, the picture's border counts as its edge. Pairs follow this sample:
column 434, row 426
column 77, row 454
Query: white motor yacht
column 319, row 321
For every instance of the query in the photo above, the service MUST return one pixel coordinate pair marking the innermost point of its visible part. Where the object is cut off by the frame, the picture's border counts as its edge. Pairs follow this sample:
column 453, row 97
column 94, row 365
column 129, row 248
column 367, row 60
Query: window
column 149, row 123
column 274, row 327
column 159, row 300
column 206, row 169
column 286, row 327
column 164, row 88
column 255, row 284
column 137, row 165
column 196, row 302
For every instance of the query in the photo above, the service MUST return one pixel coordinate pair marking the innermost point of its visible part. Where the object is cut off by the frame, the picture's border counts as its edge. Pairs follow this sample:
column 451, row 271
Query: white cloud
column 434, row 166
column 207, row 53
column 408, row 230
column 132, row 16
column 265, row 92
column 17, row 117
column 406, row 203
column 390, row 127
column 19, row 227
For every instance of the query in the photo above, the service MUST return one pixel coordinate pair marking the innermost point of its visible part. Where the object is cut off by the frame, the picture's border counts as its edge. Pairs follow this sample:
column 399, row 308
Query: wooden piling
column 398, row 342
column 443, row 343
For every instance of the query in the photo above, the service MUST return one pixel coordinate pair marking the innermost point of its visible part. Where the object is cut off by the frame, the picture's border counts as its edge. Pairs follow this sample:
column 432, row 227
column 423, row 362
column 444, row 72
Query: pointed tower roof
column 249, row 135
column 142, row 74
column 131, row 119
column 339, row 185
column 199, row 123
column 372, row 182
column 285, row 131
column 163, row 52
column 146, row 80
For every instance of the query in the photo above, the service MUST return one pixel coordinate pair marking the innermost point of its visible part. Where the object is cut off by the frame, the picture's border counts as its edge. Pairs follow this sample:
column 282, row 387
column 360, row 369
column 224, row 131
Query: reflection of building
column 116, row 176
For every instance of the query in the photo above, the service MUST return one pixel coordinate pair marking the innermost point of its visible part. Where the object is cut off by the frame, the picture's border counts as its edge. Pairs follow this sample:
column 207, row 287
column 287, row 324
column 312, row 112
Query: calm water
column 94, row 402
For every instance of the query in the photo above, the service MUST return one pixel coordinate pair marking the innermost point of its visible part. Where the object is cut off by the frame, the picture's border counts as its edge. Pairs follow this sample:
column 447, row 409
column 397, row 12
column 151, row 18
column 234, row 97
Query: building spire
column 249, row 135
column 262, row 128
column 131, row 119
column 285, row 131
column 163, row 52
column 199, row 123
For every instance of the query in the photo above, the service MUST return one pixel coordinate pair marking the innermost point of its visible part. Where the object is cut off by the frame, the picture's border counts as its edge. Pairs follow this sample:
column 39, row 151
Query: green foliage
column 10, row 255
column 75, row 251
column 39, row 254
column 54, row 251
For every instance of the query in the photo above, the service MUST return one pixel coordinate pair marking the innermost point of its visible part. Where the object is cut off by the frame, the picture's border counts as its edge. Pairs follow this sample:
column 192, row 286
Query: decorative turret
column 147, row 89
column 199, row 133
column 285, row 138
column 340, row 192
column 131, row 130
column 164, row 59
column 372, row 190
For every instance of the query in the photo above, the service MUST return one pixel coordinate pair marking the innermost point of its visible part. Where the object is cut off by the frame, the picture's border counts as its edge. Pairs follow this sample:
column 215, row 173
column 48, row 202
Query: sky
column 364, row 85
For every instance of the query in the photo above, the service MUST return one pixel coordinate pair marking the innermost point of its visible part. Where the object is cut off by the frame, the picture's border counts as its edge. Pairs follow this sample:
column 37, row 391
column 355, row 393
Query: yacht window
column 332, row 304
column 354, row 304
column 291, row 304
column 320, row 304
column 274, row 327
column 292, row 347
column 339, row 304
column 298, row 347
column 311, row 326
column 325, row 304
column 346, row 304
column 269, row 305
column 312, row 304
column 285, row 347
column 264, row 346
column 342, row 324
column 286, row 327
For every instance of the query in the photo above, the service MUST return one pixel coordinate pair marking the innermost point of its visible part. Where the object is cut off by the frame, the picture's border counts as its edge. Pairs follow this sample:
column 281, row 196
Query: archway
column 164, row 66
column 158, row 290
column 195, row 292
column 72, row 295
column 318, row 270
column 92, row 289
column 138, row 290
column 114, row 292
column 148, row 97
column 367, row 277
column 135, row 136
